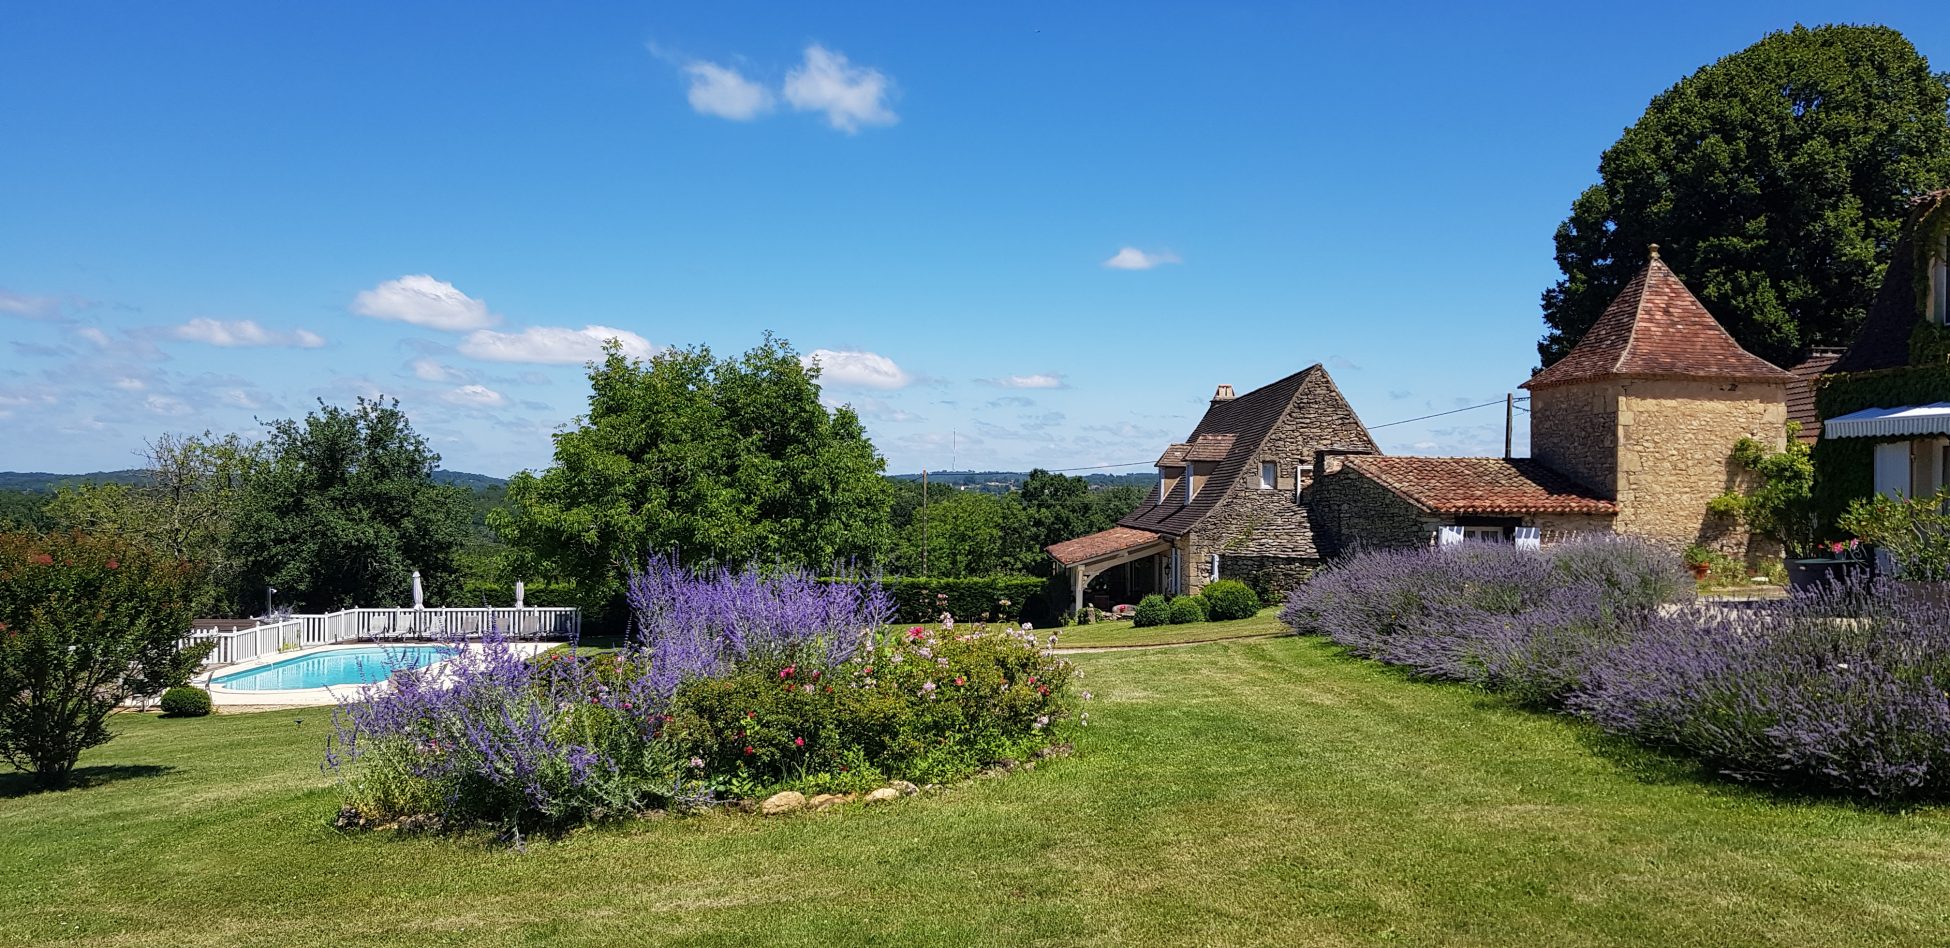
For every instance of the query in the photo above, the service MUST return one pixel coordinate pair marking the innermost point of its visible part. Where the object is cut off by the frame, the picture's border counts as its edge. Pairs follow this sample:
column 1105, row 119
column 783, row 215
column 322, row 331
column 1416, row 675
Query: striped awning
column 1890, row 422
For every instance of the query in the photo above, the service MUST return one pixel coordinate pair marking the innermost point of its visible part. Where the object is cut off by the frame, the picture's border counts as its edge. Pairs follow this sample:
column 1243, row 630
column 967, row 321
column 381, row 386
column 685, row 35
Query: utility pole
column 924, row 521
column 1509, row 420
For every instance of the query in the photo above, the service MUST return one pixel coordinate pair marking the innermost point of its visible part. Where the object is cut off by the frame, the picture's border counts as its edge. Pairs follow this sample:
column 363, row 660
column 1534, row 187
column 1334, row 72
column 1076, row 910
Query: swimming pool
column 344, row 666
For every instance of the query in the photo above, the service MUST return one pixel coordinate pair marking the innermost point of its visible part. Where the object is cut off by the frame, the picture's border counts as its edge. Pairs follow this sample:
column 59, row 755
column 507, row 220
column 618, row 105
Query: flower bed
column 1841, row 690
column 736, row 685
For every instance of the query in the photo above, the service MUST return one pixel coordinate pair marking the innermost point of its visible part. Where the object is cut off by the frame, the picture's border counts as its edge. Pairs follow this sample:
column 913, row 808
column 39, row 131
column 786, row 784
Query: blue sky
column 212, row 214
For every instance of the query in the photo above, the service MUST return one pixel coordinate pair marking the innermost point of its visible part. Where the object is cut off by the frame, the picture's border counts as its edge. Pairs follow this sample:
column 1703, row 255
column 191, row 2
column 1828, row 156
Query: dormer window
column 1939, row 302
column 1168, row 484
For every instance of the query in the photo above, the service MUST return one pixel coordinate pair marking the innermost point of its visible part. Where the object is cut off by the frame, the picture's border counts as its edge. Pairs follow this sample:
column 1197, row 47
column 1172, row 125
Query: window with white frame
column 1483, row 534
column 1269, row 475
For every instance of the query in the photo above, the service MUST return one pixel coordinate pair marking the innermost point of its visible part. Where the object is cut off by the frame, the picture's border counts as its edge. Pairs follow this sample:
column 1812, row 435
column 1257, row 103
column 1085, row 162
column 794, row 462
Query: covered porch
column 1912, row 453
column 1124, row 562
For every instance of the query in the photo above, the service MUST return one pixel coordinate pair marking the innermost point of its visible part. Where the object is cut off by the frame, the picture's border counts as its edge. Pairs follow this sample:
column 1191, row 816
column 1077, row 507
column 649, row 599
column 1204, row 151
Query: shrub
column 1187, row 609
column 1151, row 610
column 85, row 624
column 1525, row 623
column 1001, row 598
column 1915, row 532
column 1230, row 599
column 735, row 683
column 184, row 701
column 1839, row 691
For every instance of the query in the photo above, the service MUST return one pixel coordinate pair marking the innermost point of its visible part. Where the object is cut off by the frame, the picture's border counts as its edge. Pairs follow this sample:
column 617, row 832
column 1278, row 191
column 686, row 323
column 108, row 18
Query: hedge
column 918, row 599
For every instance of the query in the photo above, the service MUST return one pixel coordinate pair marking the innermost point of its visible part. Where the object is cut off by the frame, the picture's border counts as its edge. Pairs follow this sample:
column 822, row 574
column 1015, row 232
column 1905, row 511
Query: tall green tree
column 183, row 507
column 715, row 460
column 345, row 508
column 966, row 533
column 1774, row 182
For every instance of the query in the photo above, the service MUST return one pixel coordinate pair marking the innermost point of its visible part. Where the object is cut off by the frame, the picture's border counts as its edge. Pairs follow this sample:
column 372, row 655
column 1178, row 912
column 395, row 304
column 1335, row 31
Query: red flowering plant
column 86, row 622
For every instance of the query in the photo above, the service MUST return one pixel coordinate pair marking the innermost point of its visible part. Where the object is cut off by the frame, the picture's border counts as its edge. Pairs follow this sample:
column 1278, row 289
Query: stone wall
column 1574, row 431
column 1675, row 455
column 1270, row 576
column 1354, row 513
column 1272, row 523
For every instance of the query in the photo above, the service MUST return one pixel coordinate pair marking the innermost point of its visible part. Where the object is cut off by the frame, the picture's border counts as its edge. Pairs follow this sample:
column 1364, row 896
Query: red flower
column 44, row 560
column 798, row 742
column 961, row 680
column 786, row 672
column 748, row 749
column 114, row 564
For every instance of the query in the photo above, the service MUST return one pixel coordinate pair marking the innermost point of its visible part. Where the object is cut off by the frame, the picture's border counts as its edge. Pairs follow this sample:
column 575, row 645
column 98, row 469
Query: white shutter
column 1892, row 469
column 1448, row 536
column 1529, row 538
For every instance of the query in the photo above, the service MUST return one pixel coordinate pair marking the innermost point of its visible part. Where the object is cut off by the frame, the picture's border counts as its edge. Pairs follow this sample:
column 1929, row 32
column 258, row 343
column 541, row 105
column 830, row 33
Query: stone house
column 1229, row 500
column 1885, row 404
column 1631, row 432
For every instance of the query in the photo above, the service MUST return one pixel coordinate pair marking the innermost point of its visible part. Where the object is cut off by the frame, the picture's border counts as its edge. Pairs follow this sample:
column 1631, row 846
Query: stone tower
column 1646, row 408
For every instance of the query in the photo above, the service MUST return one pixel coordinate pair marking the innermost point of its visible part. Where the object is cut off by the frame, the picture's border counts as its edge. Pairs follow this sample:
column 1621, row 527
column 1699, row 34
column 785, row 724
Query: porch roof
column 1932, row 419
column 1117, row 541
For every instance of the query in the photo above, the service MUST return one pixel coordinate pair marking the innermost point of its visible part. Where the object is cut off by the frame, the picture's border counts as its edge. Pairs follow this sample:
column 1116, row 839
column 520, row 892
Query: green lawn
column 1267, row 791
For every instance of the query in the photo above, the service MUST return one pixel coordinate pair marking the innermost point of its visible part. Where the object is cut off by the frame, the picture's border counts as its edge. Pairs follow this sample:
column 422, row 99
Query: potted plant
column 1699, row 559
column 1914, row 534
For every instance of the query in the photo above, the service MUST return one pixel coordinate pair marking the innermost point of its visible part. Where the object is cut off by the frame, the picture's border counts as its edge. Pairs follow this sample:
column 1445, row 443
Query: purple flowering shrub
column 1521, row 622
column 700, row 625
column 490, row 737
column 1841, row 691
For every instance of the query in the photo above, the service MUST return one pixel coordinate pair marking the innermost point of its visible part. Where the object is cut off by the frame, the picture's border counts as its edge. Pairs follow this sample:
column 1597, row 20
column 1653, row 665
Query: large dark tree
column 344, row 508
column 1774, row 182
column 728, row 461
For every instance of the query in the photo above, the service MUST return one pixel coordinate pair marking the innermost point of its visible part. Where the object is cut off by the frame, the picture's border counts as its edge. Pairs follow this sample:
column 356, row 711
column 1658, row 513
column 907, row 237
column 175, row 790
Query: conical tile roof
column 1656, row 328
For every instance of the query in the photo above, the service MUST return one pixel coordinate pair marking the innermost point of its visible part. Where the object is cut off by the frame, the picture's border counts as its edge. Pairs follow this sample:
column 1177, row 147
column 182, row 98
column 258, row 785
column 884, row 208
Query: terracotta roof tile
column 1656, row 328
column 1480, row 485
column 1801, row 392
column 1102, row 543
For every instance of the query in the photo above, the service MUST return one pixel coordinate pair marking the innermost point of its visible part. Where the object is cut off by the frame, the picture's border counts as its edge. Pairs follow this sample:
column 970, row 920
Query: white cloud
column 855, row 369
column 94, row 335
column 29, row 307
column 243, row 333
column 1039, row 380
column 1131, row 258
column 473, row 396
column 851, row 96
column 130, row 384
column 725, row 92
column 430, row 370
column 552, row 345
column 168, row 405
column 424, row 301
column 240, row 398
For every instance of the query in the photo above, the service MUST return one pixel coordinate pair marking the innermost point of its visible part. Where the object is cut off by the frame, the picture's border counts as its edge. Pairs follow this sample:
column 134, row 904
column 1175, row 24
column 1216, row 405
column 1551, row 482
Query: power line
column 1436, row 415
column 1391, row 424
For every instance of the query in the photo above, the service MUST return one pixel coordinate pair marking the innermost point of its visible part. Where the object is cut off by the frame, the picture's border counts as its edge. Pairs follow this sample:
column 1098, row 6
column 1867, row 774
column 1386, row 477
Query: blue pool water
column 344, row 666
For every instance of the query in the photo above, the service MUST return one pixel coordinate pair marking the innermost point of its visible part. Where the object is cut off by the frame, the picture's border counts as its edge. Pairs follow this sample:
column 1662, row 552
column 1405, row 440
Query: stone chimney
column 1223, row 394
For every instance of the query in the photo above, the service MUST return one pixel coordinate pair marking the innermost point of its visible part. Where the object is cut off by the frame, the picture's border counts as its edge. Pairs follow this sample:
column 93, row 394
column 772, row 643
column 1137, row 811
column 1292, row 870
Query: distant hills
column 43, row 482
column 1004, row 481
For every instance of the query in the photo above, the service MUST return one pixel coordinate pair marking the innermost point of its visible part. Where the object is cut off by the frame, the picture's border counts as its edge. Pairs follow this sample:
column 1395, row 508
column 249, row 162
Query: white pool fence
column 383, row 625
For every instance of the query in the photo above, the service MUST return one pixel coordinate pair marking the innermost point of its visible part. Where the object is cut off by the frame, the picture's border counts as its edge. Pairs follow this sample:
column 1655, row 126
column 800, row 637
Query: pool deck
column 229, row 699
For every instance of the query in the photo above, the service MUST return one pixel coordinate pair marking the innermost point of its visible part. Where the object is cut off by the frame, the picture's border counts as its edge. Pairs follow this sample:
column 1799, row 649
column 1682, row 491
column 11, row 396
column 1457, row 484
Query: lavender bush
column 490, row 737
column 1842, row 690
column 701, row 625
